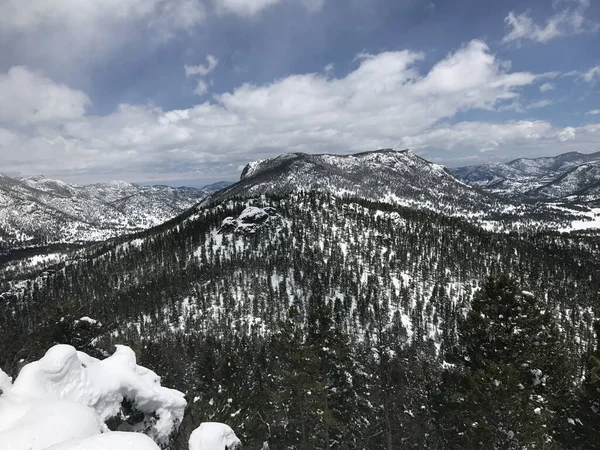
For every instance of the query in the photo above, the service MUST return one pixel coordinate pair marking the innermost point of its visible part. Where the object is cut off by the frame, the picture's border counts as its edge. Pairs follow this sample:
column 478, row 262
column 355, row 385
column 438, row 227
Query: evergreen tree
column 512, row 380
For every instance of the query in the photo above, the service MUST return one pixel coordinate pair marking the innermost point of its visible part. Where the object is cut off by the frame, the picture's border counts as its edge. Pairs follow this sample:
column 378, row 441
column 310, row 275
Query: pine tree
column 513, row 376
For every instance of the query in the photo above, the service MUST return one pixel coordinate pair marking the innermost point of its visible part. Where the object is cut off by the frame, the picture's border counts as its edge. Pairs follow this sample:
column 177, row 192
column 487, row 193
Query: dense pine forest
column 312, row 321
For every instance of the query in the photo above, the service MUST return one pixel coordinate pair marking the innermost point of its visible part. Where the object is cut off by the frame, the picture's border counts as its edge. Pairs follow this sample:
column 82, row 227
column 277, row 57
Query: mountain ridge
column 39, row 210
column 536, row 179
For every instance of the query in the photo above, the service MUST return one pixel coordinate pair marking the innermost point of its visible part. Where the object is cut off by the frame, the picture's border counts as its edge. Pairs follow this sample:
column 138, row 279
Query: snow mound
column 213, row 436
column 69, row 395
column 5, row 382
column 27, row 424
column 110, row 441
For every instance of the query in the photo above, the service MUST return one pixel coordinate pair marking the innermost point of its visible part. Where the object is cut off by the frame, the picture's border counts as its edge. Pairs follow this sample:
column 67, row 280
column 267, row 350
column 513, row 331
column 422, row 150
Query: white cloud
column 383, row 100
column 547, row 87
column 567, row 134
column 60, row 32
column 592, row 76
column 27, row 97
column 202, row 71
column 569, row 20
column 251, row 8
column 31, row 15
column 594, row 112
column 201, row 88
column 211, row 64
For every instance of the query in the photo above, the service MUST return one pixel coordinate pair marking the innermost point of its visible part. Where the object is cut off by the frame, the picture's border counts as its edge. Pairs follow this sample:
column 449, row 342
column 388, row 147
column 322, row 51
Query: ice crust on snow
column 69, row 395
column 213, row 436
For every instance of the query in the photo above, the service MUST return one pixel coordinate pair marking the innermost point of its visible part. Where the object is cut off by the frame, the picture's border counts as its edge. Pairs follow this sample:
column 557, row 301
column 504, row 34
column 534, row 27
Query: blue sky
column 189, row 91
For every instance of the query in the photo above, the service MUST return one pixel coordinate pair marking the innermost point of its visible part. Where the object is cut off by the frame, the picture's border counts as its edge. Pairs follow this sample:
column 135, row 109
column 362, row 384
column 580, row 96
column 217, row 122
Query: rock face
column 250, row 220
column 568, row 177
column 39, row 211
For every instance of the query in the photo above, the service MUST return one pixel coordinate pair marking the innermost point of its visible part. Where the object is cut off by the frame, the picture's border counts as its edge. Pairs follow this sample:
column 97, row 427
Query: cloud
column 69, row 32
column 27, row 97
column 594, row 112
column 569, row 20
column 547, row 87
column 567, row 134
column 251, row 8
column 201, row 88
column 202, row 71
column 386, row 98
column 592, row 76
column 32, row 15
column 211, row 64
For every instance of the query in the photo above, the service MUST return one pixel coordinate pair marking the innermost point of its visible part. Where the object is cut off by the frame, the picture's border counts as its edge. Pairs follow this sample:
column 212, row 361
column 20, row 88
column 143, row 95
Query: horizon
column 206, row 183
column 189, row 91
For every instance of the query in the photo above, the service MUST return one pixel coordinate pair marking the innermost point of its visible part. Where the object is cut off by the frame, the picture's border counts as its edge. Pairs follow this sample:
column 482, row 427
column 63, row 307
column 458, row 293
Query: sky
column 186, row 92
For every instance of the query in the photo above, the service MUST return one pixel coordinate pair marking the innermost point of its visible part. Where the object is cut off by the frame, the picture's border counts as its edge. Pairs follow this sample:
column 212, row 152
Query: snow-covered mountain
column 38, row 210
column 399, row 177
column 293, row 295
column 396, row 177
column 571, row 176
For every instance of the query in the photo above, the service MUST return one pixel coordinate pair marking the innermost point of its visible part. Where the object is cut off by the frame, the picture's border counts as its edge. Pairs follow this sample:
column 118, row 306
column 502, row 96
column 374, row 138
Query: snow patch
column 213, row 436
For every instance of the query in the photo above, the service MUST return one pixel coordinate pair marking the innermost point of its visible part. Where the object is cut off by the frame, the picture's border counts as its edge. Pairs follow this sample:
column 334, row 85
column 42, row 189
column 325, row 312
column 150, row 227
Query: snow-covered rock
column 69, row 395
column 110, row 441
column 213, row 436
column 249, row 220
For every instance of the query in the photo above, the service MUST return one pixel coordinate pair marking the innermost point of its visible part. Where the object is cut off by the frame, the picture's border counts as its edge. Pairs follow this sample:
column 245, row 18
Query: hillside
column 568, row 177
column 225, row 303
column 39, row 211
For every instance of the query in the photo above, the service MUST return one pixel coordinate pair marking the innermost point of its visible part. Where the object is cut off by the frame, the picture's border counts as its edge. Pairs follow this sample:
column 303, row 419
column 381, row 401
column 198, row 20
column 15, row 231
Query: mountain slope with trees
column 310, row 320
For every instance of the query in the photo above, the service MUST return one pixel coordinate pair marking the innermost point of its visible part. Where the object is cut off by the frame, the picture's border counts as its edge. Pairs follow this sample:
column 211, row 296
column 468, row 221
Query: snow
column 5, row 382
column 252, row 213
column 110, row 441
column 30, row 424
column 213, row 436
column 88, row 320
column 69, row 395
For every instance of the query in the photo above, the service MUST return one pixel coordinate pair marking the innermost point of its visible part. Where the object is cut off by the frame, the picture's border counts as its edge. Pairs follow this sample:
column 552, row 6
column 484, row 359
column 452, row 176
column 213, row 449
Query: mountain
column 569, row 177
column 38, row 210
column 307, row 311
column 400, row 177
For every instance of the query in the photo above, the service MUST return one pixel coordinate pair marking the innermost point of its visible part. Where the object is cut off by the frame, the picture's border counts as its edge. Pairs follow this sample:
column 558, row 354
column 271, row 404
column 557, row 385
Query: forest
column 336, row 322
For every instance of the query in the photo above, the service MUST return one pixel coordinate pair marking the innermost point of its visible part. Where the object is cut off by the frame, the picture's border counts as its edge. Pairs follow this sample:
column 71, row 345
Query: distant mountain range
column 38, row 210
column 570, row 177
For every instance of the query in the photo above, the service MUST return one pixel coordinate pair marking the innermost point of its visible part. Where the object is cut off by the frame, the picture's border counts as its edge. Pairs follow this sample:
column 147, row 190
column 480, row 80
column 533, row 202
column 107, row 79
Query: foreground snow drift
column 69, row 395
column 110, row 441
column 214, row 436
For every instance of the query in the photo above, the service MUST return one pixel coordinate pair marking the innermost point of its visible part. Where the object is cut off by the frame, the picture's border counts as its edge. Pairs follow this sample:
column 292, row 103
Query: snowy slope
column 567, row 175
column 399, row 177
column 38, row 210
